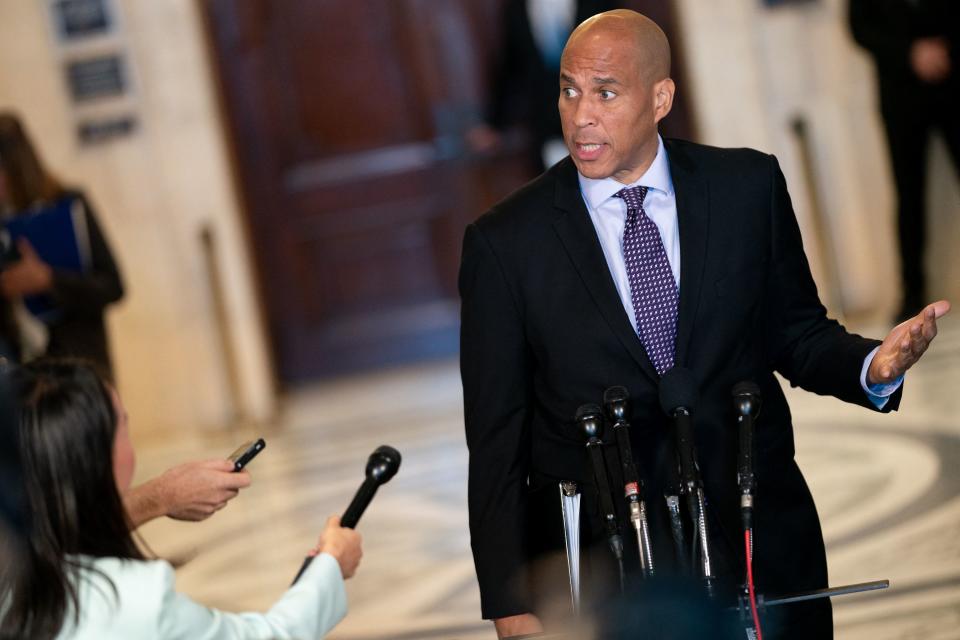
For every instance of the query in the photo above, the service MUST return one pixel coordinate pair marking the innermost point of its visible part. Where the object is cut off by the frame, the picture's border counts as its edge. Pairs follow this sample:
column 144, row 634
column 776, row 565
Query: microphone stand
column 590, row 420
column 692, row 489
column 746, row 404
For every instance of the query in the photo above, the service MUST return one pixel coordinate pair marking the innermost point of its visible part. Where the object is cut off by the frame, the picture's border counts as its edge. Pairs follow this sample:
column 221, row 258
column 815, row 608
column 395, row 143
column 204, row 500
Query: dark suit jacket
column 888, row 28
column 544, row 331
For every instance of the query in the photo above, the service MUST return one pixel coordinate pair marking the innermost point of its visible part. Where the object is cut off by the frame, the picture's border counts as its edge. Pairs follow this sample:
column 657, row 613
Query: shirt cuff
column 877, row 393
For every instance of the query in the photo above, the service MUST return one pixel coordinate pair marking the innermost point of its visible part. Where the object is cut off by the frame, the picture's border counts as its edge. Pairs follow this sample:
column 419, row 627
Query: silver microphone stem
column 570, row 506
column 638, row 517
column 704, row 543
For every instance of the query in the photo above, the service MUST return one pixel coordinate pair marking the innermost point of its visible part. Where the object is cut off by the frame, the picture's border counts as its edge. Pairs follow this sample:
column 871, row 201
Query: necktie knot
column 633, row 196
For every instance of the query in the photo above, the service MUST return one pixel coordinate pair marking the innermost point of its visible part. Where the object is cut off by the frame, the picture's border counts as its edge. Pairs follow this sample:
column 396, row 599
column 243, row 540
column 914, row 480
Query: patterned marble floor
column 888, row 489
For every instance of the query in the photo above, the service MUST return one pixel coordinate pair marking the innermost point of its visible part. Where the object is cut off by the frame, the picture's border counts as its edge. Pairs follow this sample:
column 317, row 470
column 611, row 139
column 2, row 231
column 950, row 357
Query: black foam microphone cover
column 747, row 397
column 678, row 388
column 616, row 402
column 382, row 465
column 589, row 419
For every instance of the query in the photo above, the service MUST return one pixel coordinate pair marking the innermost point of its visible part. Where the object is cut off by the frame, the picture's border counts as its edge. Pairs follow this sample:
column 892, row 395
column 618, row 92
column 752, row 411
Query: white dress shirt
column 146, row 606
column 609, row 215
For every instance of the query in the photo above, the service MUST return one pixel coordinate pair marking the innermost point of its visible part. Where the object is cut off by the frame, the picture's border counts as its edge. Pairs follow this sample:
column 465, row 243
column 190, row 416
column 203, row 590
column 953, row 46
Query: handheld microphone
column 616, row 405
column 746, row 404
column 382, row 465
column 589, row 419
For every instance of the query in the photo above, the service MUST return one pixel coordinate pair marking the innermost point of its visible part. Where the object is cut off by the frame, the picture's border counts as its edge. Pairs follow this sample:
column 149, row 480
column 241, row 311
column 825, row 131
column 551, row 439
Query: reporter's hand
column 193, row 491
column 518, row 625
column 341, row 543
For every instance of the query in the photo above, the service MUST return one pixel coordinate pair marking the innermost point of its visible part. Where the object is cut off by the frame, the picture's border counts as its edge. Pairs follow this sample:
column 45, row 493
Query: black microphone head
column 746, row 397
column 383, row 464
column 589, row 419
column 678, row 388
column 616, row 403
column 746, row 387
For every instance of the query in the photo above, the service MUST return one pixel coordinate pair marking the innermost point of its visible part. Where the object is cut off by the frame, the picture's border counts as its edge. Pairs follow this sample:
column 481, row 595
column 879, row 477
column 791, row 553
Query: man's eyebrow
column 604, row 80
column 565, row 78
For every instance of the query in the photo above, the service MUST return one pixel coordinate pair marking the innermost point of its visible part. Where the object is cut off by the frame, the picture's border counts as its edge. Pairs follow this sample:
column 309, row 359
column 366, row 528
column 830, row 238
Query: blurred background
column 285, row 184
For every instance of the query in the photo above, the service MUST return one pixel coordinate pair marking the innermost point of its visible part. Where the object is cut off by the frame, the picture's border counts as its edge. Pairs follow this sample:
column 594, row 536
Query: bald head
column 626, row 27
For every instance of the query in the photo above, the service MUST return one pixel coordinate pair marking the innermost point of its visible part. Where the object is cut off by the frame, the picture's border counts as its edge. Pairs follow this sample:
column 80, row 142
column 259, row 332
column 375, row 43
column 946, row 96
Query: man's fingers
column 940, row 308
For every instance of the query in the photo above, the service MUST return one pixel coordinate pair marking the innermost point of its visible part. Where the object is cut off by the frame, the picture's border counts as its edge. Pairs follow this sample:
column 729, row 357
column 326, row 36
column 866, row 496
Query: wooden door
column 346, row 120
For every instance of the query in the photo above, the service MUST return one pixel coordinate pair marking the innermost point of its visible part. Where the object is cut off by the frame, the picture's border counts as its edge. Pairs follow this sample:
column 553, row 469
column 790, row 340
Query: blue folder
column 58, row 233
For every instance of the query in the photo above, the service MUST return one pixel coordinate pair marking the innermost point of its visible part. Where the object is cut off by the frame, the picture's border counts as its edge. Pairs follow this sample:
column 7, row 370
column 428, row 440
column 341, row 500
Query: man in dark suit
column 634, row 255
column 916, row 47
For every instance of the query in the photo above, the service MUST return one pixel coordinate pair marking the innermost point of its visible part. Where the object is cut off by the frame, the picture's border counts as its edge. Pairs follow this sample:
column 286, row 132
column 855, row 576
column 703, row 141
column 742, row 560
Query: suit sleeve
column 308, row 609
column 495, row 366
column 86, row 294
column 809, row 349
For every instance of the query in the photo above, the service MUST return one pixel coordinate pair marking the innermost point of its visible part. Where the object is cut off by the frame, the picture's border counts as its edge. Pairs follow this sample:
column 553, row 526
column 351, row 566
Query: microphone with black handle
column 589, row 419
column 678, row 397
column 616, row 406
column 382, row 465
column 746, row 404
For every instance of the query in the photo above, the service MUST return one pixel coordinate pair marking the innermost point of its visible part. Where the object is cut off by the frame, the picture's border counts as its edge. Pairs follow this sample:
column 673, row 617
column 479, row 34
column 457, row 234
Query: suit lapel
column 579, row 238
column 693, row 213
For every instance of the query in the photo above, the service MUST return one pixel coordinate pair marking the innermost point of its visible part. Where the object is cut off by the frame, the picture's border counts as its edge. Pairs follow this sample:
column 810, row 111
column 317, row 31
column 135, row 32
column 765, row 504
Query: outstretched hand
column 192, row 491
column 905, row 343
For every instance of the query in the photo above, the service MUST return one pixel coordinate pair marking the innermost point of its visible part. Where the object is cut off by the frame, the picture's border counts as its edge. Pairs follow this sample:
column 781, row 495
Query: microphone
column 678, row 397
column 746, row 404
column 616, row 405
column 382, row 465
column 590, row 420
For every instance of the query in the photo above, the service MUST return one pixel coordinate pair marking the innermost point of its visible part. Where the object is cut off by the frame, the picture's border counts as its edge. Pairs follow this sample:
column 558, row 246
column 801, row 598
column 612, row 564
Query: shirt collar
column 657, row 177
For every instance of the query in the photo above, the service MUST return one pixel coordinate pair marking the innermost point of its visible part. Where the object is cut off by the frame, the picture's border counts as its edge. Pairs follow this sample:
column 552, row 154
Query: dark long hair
column 28, row 181
column 67, row 425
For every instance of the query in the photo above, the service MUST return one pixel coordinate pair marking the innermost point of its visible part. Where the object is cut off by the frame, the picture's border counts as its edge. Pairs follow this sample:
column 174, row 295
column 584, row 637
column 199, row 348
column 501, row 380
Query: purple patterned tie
column 653, row 290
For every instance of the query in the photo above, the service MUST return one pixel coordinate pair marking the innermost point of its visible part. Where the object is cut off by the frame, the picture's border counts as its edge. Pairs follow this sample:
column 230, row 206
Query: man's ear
column 663, row 98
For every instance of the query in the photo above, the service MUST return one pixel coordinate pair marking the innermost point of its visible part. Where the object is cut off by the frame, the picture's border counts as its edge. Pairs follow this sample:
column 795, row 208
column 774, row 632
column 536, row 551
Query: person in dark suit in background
column 631, row 256
column 524, row 79
column 916, row 47
column 76, row 327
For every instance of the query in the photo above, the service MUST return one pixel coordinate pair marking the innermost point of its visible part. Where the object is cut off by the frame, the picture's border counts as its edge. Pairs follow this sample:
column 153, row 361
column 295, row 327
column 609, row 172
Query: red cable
column 753, row 595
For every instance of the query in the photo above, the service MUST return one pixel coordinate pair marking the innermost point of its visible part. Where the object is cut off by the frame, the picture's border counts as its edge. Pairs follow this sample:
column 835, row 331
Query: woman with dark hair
column 73, row 299
column 83, row 575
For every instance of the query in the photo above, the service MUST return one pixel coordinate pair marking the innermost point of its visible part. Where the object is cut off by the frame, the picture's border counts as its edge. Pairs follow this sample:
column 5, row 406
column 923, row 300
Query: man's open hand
column 905, row 343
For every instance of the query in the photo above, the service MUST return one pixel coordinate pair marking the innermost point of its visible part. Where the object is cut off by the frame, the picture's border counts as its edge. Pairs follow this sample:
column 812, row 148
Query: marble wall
column 156, row 189
column 754, row 71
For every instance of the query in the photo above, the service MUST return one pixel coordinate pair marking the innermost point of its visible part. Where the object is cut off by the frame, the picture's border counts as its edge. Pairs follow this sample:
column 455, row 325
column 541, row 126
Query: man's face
column 609, row 112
